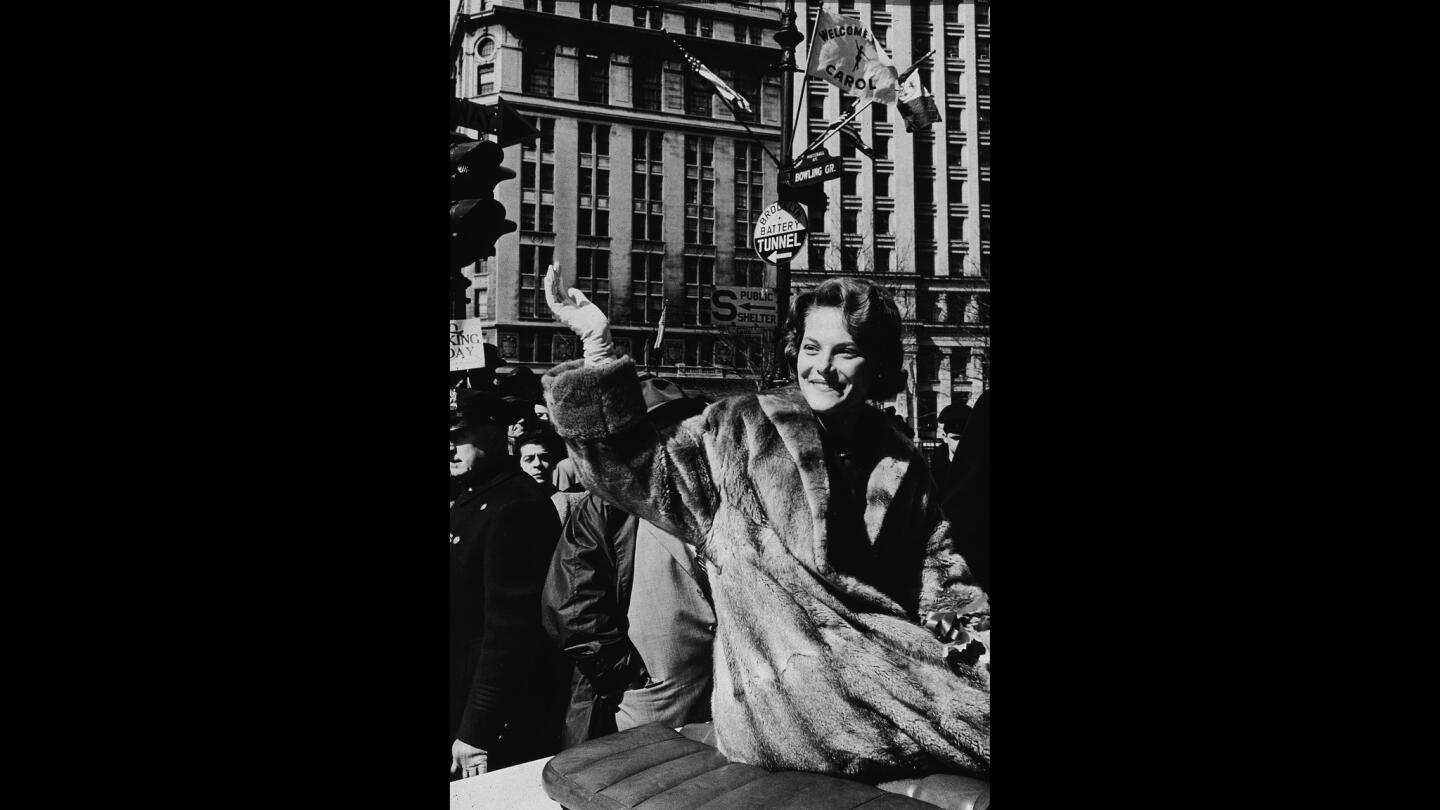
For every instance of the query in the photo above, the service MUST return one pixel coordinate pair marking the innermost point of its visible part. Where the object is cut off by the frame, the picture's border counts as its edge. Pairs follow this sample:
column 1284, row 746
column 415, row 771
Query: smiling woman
column 824, row 542
column 844, row 341
column 833, row 371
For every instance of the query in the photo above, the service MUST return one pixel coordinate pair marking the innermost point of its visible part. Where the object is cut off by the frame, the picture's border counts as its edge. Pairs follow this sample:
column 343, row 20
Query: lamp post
column 787, row 38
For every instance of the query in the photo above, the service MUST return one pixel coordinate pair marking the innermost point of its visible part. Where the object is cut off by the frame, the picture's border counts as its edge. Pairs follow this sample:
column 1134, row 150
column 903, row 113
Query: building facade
column 645, row 188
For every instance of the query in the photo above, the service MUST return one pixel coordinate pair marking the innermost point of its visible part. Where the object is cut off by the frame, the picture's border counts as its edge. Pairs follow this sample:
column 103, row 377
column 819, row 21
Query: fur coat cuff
column 593, row 402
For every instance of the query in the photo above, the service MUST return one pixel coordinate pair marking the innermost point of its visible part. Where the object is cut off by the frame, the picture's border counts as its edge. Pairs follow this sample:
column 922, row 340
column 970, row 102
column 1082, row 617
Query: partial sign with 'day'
column 467, row 345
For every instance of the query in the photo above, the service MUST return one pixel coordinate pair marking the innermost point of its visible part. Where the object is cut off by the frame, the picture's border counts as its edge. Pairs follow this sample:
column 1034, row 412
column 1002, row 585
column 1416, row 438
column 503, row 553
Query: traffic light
column 477, row 219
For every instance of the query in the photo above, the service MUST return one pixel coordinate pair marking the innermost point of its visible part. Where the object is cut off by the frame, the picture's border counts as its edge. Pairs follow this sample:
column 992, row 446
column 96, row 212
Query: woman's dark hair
column 870, row 315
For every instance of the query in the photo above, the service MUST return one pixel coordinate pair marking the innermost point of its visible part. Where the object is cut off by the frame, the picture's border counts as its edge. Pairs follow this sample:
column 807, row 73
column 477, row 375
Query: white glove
column 584, row 319
column 466, row 760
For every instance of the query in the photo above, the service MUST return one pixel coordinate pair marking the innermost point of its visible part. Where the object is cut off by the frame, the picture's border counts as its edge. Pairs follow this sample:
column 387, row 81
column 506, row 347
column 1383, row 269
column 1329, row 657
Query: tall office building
column 645, row 188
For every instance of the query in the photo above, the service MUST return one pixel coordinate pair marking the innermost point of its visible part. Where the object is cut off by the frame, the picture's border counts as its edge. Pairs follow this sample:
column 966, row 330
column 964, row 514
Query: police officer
column 508, row 684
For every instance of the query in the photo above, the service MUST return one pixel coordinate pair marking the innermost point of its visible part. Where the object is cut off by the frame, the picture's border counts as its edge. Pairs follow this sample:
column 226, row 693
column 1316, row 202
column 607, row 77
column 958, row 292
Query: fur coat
column 815, row 669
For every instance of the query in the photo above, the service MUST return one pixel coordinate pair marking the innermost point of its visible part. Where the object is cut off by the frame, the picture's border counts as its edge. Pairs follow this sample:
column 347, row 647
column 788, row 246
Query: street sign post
column 780, row 231
column 808, row 174
column 743, row 307
column 499, row 119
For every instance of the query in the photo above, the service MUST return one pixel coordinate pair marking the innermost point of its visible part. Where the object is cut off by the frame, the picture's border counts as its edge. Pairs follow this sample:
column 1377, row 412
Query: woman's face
column 834, row 373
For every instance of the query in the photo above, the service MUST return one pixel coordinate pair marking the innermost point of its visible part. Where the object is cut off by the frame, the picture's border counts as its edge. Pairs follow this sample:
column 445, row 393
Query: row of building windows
column 647, row 296
column 699, row 26
column 652, row 17
column 815, row 106
column 699, row 190
column 856, row 259
column 647, row 283
column 538, row 73
column 920, row 12
column 647, row 300
column 749, row 190
column 593, row 194
column 537, row 186
column 646, row 303
column 696, row 351
column 648, row 287
column 648, row 278
column 647, row 186
column 647, row 77
column 928, row 362
column 723, row 352
column 537, row 179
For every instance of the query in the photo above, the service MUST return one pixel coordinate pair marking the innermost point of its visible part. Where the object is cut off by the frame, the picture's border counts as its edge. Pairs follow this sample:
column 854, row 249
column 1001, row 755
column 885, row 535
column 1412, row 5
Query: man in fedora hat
column 507, row 682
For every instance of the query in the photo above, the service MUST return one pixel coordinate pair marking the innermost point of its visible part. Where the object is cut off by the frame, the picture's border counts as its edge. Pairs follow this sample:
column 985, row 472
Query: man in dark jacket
column 962, row 474
column 952, row 421
column 969, row 492
column 630, row 605
column 507, row 683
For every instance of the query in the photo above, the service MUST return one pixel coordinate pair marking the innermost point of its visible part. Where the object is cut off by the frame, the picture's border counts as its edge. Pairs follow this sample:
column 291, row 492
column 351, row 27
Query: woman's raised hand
column 582, row 317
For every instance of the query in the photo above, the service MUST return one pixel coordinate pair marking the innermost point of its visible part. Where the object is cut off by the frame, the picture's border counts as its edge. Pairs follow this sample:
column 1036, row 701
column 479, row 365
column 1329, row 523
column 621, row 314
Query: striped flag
column 851, row 133
column 708, row 75
column 660, row 335
column 916, row 104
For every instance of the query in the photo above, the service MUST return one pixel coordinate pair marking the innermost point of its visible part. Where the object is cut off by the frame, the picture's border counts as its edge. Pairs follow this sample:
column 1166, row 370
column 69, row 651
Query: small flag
column 916, row 105
column 847, row 118
column 705, row 73
column 660, row 335
column 852, row 134
column 845, row 54
column 829, row 130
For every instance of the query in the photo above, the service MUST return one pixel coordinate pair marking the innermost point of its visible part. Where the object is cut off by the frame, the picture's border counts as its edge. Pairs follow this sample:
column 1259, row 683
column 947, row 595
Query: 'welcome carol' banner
column 845, row 53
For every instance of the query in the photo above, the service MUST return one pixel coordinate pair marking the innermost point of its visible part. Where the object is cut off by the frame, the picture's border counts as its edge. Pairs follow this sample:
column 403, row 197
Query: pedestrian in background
column 537, row 451
column 951, row 423
column 630, row 605
column 567, row 478
column 508, row 684
column 822, row 537
column 900, row 423
column 965, row 491
column 523, row 420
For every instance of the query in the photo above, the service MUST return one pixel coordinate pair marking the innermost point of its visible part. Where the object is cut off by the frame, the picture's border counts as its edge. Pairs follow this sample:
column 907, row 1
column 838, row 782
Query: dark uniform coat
column 821, row 663
column 650, row 652
column 964, row 486
column 508, row 684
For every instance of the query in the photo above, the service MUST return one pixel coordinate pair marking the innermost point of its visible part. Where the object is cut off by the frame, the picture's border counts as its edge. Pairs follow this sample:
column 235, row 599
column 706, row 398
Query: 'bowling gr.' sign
column 780, row 233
